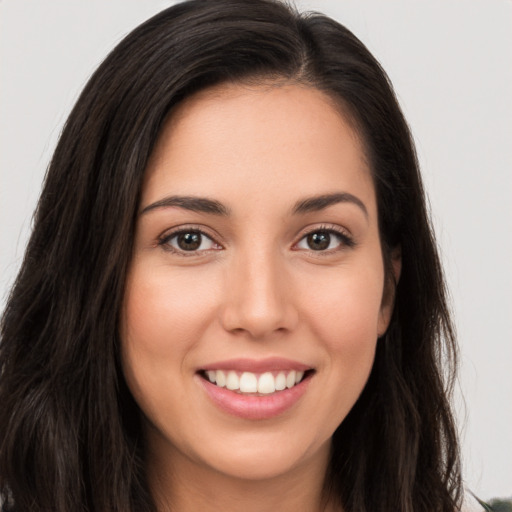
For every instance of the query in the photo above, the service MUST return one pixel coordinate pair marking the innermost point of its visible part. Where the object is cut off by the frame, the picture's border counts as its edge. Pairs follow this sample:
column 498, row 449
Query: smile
column 254, row 383
column 255, row 390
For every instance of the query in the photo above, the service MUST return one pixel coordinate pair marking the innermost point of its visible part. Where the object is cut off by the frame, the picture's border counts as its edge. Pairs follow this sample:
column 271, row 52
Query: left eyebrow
column 317, row 203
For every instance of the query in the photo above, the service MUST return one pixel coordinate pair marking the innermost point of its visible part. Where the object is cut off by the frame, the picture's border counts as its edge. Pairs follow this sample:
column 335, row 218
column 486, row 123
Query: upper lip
column 257, row 365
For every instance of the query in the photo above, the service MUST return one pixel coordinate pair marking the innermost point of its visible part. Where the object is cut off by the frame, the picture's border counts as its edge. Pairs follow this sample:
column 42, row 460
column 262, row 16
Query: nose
column 258, row 297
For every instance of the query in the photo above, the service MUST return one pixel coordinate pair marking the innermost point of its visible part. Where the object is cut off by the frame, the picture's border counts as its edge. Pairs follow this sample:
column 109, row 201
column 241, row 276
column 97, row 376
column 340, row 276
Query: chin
column 264, row 459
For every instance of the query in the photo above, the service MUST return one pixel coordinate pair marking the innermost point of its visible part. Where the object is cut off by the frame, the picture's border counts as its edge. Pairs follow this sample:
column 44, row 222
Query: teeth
column 248, row 382
column 220, row 378
column 266, row 383
column 280, row 381
column 290, row 379
column 232, row 381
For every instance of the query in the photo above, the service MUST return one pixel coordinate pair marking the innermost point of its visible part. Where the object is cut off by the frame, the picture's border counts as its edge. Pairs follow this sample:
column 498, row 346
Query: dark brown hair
column 70, row 437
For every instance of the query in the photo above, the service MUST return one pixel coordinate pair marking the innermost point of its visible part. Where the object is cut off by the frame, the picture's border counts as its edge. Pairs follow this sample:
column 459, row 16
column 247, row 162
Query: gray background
column 451, row 64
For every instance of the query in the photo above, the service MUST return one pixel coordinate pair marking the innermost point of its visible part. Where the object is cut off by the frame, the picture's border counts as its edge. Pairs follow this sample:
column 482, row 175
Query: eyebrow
column 195, row 204
column 211, row 206
column 317, row 203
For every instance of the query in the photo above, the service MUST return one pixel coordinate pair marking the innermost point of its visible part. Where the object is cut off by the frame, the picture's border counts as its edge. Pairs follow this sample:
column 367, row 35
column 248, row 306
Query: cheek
column 344, row 314
column 163, row 320
column 163, row 315
column 346, row 308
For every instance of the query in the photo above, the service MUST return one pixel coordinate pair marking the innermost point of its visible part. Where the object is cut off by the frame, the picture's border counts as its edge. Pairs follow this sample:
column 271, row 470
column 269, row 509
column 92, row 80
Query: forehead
column 269, row 139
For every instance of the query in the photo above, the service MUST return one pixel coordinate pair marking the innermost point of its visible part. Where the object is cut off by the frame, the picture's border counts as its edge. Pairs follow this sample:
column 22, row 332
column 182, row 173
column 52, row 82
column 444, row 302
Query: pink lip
column 253, row 407
column 257, row 366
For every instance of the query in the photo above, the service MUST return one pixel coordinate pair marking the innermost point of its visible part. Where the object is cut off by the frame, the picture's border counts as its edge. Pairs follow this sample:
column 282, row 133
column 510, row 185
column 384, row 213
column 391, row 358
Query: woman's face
column 257, row 264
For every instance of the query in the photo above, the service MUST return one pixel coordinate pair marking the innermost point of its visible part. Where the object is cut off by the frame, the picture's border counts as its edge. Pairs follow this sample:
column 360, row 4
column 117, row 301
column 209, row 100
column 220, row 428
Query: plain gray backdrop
column 451, row 64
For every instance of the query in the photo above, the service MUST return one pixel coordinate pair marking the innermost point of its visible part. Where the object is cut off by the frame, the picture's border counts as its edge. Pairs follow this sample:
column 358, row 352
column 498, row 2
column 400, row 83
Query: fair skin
column 239, row 267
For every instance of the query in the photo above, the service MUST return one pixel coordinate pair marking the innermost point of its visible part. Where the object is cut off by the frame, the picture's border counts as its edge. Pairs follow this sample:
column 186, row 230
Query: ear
column 388, row 296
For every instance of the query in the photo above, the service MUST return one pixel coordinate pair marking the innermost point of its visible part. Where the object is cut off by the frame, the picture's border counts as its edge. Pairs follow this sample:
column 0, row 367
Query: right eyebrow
column 192, row 203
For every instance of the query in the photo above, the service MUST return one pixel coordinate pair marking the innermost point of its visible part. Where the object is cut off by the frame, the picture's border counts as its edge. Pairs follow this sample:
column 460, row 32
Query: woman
column 232, row 296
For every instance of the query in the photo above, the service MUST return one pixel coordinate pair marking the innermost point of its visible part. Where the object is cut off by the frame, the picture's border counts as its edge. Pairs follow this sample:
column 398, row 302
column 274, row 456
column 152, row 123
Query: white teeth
column 280, row 381
column 232, row 381
column 248, row 382
column 290, row 379
column 220, row 378
column 266, row 383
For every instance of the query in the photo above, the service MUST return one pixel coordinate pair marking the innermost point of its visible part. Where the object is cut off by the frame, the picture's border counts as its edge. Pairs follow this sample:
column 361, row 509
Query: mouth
column 256, row 389
column 255, row 384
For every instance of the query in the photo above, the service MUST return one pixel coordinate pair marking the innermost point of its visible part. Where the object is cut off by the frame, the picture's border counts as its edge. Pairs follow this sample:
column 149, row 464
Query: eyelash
column 164, row 241
column 345, row 240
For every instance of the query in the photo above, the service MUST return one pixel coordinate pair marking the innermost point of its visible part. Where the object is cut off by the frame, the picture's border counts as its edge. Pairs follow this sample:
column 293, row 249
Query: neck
column 180, row 484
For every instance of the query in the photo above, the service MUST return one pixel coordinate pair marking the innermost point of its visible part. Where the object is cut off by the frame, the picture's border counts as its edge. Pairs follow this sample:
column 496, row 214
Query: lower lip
column 252, row 407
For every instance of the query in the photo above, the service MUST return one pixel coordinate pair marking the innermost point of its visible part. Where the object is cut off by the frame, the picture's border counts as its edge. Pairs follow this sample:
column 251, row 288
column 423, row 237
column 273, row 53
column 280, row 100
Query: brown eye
column 325, row 240
column 189, row 241
column 319, row 241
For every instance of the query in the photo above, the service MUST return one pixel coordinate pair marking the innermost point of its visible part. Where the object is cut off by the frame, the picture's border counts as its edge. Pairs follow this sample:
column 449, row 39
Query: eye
column 324, row 240
column 190, row 241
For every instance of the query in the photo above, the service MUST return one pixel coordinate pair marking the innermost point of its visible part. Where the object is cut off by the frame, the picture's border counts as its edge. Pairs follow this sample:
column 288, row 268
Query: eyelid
column 347, row 239
column 166, row 236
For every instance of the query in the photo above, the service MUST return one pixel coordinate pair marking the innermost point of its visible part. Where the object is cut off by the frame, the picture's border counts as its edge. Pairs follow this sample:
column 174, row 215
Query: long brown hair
column 70, row 436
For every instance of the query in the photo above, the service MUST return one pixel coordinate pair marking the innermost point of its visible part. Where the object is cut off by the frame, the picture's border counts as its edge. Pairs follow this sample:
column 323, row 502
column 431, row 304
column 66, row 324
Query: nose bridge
column 257, row 298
